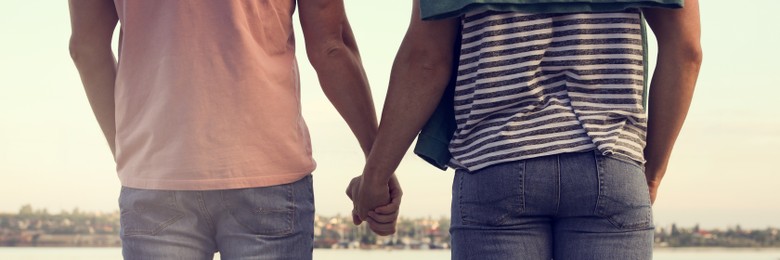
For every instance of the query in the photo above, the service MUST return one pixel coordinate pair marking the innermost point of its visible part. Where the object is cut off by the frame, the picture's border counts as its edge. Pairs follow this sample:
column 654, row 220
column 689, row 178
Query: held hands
column 375, row 203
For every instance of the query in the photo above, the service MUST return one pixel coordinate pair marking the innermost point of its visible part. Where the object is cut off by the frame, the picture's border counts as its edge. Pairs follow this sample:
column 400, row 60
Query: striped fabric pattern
column 531, row 85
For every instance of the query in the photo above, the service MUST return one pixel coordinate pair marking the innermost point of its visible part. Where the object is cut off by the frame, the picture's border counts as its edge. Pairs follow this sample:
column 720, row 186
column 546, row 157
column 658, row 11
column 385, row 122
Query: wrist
column 654, row 175
column 653, row 183
column 375, row 178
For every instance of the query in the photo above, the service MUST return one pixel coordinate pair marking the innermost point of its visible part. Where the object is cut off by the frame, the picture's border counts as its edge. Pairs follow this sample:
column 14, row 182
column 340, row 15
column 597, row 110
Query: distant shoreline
column 38, row 229
column 679, row 249
column 711, row 249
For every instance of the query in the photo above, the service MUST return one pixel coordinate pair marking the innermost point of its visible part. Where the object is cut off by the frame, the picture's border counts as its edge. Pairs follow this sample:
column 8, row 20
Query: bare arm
column 333, row 52
column 671, row 90
column 419, row 76
column 92, row 25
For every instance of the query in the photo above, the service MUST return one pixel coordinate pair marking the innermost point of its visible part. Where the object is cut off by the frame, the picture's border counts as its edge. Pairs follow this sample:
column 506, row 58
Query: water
column 115, row 253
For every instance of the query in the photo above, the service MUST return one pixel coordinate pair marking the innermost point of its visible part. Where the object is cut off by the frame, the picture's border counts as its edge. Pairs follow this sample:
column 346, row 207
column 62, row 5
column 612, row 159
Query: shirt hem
column 217, row 184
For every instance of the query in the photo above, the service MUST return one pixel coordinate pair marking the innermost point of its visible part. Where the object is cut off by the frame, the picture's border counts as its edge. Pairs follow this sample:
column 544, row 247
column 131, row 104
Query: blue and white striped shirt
column 531, row 85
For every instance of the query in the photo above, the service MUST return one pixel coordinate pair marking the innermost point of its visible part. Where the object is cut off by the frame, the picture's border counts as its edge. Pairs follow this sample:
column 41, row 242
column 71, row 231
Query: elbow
column 78, row 50
column 427, row 61
column 85, row 51
column 686, row 54
column 325, row 52
column 693, row 54
column 435, row 68
column 75, row 52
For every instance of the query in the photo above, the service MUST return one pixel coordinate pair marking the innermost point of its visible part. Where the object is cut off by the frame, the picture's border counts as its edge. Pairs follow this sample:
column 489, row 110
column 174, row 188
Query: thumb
column 355, row 218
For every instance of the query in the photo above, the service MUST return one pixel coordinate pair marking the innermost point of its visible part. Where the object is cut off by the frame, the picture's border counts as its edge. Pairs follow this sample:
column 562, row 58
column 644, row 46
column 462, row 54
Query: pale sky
column 722, row 172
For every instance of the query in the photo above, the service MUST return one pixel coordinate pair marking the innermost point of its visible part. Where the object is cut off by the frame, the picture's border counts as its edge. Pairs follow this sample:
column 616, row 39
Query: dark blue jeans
column 259, row 223
column 569, row 206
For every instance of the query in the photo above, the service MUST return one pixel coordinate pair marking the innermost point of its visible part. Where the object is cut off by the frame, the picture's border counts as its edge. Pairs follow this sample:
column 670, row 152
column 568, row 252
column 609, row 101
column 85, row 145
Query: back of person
column 550, row 127
column 207, row 96
column 531, row 85
column 203, row 114
column 555, row 157
column 212, row 151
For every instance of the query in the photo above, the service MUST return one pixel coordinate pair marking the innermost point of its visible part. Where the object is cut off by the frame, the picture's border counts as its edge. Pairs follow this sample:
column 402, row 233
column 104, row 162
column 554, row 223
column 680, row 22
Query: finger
column 360, row 211
column 386, row 210
column 396, row 193
column 393, row 207
column 355, row 219
column 381, row 229
column 394, row 184
column 351, row 188
column 349, row 192
column 362, row 214
column 382, row 219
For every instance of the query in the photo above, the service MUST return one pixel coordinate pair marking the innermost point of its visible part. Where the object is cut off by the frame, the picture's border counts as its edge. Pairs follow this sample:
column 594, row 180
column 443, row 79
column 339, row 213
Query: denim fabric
column 259, row 223
column 569, row 206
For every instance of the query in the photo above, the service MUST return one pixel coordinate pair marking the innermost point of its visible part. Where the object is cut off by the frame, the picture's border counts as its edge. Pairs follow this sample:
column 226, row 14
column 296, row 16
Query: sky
column 722, row 172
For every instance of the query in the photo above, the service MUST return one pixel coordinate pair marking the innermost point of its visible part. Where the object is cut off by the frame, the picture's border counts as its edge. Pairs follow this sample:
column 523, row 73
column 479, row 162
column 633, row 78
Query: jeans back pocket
column 491, row 195
column 624, row 198
column 263, row 211
column 147, row 212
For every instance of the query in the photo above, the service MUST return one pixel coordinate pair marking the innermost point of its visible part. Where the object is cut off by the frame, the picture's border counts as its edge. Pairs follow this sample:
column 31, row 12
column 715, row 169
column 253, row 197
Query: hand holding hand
column 377, row 204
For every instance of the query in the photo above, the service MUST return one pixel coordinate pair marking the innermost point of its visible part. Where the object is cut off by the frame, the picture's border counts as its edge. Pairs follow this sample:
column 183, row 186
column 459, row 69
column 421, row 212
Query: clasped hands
column 376, row 202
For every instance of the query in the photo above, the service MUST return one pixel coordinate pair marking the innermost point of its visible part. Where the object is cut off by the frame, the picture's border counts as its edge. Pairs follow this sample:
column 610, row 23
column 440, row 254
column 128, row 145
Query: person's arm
column 332, row 50
column 419, row 76
column 92, row 24
column 679, row 58
column 333, row 53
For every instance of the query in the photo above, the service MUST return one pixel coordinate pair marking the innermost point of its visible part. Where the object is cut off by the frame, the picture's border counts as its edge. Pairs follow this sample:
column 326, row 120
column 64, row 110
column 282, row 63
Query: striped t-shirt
column 531, row 85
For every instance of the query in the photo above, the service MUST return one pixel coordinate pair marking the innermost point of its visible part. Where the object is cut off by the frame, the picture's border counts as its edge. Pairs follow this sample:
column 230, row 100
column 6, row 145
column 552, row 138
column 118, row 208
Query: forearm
column 679, row 59
column 344, row 82
column 420, row 74
column 416, row 87
column 671, row 92
column 92, row 27
column 98, row 73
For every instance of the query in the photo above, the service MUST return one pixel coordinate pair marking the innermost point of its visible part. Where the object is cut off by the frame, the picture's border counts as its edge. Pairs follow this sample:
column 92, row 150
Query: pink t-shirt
column 207, row 95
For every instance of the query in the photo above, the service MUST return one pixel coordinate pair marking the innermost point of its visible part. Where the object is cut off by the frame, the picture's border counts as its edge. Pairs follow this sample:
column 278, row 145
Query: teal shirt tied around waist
column 434, row 138
column 440, row 9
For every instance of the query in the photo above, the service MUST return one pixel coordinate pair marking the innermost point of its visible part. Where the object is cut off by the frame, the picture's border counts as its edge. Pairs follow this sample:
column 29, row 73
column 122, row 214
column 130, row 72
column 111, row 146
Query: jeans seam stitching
column 295, row 209
column 557, row 185
column 522, row 186
column 460, row 200
column 600, row 187
column 205, row 211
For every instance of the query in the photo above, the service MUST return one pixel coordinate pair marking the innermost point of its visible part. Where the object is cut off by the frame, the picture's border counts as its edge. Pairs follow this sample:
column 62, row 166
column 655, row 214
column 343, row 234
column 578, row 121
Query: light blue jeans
column 570, row 206
column 259, row 223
